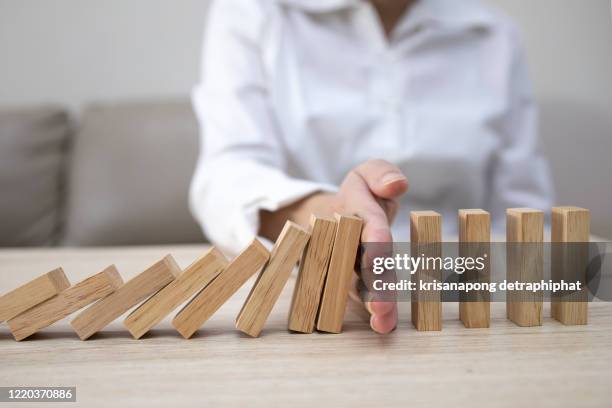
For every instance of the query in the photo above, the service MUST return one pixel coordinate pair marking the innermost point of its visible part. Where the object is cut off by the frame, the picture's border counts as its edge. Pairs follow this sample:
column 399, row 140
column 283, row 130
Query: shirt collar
column 455, row 13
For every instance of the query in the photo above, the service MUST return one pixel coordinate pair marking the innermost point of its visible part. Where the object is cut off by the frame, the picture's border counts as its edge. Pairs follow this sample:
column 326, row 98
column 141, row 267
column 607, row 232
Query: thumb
column 383, row 179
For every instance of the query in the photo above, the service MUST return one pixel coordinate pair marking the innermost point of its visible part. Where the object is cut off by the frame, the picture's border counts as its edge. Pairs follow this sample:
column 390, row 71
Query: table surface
column 504, row 366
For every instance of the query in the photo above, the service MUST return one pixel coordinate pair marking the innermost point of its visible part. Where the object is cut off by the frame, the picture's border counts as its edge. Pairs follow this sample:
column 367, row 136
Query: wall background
column 75, row 51
column 72, row 52
column 570, row 55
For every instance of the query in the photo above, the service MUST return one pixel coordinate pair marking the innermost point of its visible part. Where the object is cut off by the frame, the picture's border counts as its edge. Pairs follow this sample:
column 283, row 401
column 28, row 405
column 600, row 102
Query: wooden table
column 504, row 366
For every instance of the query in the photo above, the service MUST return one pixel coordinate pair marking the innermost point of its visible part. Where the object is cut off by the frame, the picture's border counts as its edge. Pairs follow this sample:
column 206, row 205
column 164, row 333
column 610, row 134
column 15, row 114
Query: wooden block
column 65, row 303
column 524, row 263
column 474, row 242
column 312, row 274
column 212, row 297
column 570, row 227
column 103, row 312
column 339, row 274
column 32, row 293
column 425, row 238
column 199, row 274
column 270, row 282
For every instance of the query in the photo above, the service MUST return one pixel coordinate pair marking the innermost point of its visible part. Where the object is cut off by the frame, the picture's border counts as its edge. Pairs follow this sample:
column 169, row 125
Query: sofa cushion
column 129, row 175
column 32, row 156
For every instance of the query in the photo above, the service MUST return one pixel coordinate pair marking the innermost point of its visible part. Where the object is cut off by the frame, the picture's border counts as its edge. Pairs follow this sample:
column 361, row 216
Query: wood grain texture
column 201, row 308
column 474, row 242
column 548, row 366
column 272, row 279
column 32, row 293
column 570, row 225
column 524, row 263
column 65, row 303
column 339, row 274
column 311, row 276
column 197, row 275
column 425, row 239
column 103, row 312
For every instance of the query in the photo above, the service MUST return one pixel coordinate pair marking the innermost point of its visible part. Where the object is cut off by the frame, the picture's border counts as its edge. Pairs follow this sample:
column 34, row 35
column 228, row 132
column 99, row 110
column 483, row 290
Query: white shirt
column 295, row 93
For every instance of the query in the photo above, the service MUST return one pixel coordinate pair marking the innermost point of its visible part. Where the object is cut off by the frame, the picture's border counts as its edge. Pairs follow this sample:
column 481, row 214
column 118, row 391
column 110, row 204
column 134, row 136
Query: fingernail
column 379, row 326
column 392, row 178
column 374, row 323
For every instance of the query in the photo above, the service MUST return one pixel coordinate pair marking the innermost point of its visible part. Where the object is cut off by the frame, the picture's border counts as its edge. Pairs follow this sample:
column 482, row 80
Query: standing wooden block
column 425, row 239
column 474, row 242
column 199, row 274
column 103, row 312
column 32, row 293
column 213, row 296
column 524, row 263
column 65, row 303
column 339, row 274
column 312, row 274
column 570, row 235
column 270, row 282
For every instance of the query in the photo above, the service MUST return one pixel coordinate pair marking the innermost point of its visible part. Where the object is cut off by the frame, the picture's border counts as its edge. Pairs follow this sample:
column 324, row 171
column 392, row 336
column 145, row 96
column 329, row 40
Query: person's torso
column 426, row 100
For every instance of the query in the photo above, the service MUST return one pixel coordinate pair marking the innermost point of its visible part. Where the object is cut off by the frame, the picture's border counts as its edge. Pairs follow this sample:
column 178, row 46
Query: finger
column 383, row 316
column 376, row 232
column 380, row 308
column 384, row 324
column 384, row 179
column 358, row 200
column 390, row 207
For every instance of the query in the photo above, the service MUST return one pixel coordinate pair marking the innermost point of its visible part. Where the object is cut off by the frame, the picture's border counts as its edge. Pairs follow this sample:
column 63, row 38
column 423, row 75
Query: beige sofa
column 118, row 175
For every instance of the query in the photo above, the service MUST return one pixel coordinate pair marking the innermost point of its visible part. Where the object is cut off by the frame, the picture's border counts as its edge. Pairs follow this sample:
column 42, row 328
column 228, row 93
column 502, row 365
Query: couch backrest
column 33, row 151
column 129, row 175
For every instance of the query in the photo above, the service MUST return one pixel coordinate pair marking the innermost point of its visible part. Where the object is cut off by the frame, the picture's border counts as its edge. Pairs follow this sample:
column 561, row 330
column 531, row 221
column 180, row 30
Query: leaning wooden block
column 312, row 274
column 270, row 282
column 570, row 234
column 339, row 274
column 524, row 263
column 103, row 312
column 425, row 238
column 32, row 293
column 65, row 303
column 199, row 274
column 212, row 297
column 474, row 237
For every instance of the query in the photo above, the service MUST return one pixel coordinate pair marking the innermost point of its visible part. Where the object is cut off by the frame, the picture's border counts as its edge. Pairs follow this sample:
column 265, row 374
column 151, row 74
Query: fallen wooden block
column 474, row 238
column 32, row 293
column 212, row 297
column 339, row 274
column 65, row 303
column 103, row 312
column 524, row 263
column 270, row 282
column 312, row 274
column 425, row 238
column 570, row 233
column 199, row 274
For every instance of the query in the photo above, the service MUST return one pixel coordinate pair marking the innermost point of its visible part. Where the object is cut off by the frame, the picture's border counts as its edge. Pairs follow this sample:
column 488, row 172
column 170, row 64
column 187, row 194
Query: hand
column 370, row 191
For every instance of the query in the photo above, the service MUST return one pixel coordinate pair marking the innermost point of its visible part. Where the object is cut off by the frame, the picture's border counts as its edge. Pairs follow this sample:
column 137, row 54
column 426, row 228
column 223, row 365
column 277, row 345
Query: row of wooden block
column 327, row 251
column 523, row 225
column 209, row 282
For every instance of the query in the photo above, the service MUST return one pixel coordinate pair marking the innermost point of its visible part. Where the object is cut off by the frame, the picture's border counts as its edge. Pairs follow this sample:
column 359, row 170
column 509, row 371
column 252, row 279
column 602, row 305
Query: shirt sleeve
column 520, row 174
column 242, row 165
